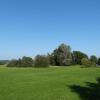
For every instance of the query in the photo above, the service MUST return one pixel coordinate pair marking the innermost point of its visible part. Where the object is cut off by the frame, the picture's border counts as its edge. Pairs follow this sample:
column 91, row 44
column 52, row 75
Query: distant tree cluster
column 61, row 56
column 24, row 62
column 3, row 62
column 87, row 63
column 41, row 61
column 77, row 56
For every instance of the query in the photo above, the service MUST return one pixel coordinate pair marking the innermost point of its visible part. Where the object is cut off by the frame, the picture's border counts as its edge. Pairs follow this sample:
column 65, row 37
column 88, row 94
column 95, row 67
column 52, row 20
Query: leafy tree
column 52, row 59
column 62, row 55
column 98, row 61
column 12, row 63
column 3, row 62
column 24, row 62
column 77, row 57
column 93, row 58
column 86, row 62
column 41, row 61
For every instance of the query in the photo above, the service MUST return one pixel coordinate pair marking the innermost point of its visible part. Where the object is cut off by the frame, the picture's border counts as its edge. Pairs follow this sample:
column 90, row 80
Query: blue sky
column 30, row 27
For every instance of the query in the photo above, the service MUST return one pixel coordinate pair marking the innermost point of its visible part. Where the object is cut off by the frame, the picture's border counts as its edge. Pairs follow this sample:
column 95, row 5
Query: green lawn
column 45, row 84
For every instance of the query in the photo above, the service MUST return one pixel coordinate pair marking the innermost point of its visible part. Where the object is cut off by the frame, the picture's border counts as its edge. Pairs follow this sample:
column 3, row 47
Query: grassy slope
column 44, row 84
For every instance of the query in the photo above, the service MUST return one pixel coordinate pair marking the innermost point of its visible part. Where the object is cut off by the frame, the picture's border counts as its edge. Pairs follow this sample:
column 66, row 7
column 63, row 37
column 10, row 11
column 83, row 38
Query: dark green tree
column 41, row 61
column 13, row 63
column 77, row 57
column 26, row 62
column 86, row 62
column 98, row 62
column 93, row 59
column 52, row 60
column 3, row 62
column 62, row 55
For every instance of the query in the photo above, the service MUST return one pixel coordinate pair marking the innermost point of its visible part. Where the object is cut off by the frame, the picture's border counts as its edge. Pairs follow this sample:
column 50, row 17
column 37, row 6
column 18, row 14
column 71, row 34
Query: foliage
column 27, row 62
column 24, row 62
column 2, row 62
column 51, row 58
column 68, row 62
column 41, row 61
column 62, row 55
column 98, row 62
column 77, row 57
column 93, row 58
column 87, row 63
column 12, row 63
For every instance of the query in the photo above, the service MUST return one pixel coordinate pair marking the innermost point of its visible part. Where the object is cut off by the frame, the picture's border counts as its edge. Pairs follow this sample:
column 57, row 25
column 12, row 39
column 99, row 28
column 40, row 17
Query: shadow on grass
column 89, row 92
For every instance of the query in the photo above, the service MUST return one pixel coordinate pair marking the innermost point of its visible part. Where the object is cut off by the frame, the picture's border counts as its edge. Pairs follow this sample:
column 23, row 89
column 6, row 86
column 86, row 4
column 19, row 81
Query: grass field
column 66, row 83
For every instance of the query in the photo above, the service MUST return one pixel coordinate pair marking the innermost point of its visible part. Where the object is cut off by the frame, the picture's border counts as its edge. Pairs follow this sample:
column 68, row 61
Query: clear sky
column 30, row 27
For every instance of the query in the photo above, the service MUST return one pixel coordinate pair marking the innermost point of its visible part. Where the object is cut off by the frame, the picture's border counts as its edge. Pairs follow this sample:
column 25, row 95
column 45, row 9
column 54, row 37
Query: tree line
column 61, row 56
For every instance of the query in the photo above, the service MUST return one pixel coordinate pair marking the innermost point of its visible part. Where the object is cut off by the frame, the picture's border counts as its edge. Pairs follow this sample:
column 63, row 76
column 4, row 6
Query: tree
column 13, row 63
column 98, row 62
column 86, row 62
column 93, row 59
column 24, row 62
column 51, row 58
column 3, row 62
column 41, row 61
column 62, row 55
column 77, row 57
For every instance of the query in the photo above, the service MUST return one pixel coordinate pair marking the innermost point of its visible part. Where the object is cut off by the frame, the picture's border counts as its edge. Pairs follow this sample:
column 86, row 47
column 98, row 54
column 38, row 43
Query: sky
column 31, row 27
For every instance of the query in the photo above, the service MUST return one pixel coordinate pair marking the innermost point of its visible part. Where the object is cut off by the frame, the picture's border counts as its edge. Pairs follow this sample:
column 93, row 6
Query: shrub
column 61, row 55
column 3, row 62
column 12, row 63
column 87, row 63
column 52, row 60
column 24, row 62
column 94, row 59
column 67, row 62
column 41, row 61
column 77, row 56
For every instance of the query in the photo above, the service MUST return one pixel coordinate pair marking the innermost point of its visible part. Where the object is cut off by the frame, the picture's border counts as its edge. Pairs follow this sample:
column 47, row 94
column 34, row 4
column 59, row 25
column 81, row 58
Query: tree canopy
column 62, row 55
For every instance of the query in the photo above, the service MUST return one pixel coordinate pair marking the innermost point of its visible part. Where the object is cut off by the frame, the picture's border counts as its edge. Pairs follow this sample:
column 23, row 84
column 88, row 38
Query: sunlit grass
column 43, row 83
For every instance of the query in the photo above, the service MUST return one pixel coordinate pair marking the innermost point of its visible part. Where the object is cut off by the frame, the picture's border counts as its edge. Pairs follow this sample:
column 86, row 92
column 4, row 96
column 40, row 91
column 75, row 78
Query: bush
column 51, row 58
column 77, row 56
column 87, row 63
column 41, row 61
column 12, row 63
column 60, row 55
column 3, row 62
column 24, row 62
column 93, row 58
column 67, row 62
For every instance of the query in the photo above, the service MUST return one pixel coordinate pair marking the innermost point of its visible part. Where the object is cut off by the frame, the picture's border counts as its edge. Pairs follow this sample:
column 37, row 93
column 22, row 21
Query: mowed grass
column 44, row 83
